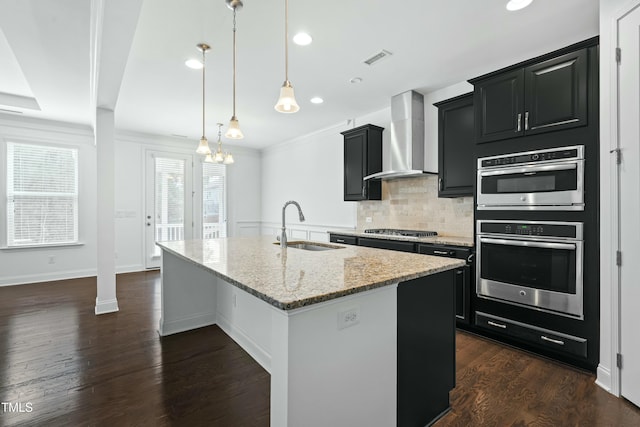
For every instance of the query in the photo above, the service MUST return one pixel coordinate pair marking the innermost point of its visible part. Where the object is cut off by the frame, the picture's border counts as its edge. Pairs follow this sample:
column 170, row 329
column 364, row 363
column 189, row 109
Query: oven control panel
column 546, row 229
column 533, row 157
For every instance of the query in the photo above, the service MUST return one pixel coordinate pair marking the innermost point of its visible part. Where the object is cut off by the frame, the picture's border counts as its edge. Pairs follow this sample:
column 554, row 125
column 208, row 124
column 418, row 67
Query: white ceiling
column 45, row 54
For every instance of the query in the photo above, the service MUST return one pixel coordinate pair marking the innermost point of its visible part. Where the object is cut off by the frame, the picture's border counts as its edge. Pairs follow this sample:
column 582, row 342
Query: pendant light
column 234, row 132
column 203, row 146
column 287, row 101
column 220, row 156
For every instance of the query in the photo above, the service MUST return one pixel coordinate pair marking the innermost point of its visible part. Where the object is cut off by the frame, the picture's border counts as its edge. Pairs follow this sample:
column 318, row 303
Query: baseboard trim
column 133, row 268
column 46, row 277
column 108, row 306
column 186, row 323
column 603, row 379
column 258, row 353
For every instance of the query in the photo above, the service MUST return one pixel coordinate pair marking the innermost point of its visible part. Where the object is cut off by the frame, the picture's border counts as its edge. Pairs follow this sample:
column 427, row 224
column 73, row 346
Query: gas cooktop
column 396, row 232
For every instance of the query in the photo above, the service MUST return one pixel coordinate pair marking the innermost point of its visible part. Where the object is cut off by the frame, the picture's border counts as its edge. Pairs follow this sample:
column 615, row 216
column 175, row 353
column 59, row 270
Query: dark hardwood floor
column 77, row 369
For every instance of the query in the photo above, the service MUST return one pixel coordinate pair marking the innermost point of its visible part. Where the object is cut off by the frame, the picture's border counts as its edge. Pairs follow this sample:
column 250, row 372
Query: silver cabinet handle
column 542, row 337
column 339, row 240
column 519, row 122
column 530, row 169
column 364, row 186
column 440, row 184
column 526, row 120
column 441, row 252
column 530, row 244
column 497, row 325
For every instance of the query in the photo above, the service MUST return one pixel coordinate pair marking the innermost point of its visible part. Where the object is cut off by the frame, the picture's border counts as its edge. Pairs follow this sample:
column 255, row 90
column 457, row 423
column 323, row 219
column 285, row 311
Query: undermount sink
column 310, row 246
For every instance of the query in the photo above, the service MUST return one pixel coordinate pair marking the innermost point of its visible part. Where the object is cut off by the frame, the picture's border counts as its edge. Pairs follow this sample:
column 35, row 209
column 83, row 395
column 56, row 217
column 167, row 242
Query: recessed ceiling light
column 518, row 4
column 317, row 100
column 302, row 39
column 356, row 80
column 196, row 64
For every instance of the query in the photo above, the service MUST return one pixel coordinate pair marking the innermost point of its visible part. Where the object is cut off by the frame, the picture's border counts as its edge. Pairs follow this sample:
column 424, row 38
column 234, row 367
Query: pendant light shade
column 203, row 146
column 287, row 100
column 228, row 159
column 209, row 159
column 234, row 132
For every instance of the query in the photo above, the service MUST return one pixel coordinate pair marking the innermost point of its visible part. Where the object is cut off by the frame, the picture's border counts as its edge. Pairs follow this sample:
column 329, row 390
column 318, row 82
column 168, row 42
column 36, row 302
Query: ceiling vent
column 378, row 57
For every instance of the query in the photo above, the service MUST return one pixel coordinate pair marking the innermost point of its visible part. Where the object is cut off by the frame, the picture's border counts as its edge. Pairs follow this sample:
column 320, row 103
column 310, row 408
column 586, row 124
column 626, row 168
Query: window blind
column 42, row 195
column 214, row 210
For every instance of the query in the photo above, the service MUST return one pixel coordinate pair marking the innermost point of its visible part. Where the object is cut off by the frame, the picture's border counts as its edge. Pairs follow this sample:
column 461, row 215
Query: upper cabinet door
column 556, row 93
column 362, row 157
column 456, row 147
column 355, row 163
column 500, row 106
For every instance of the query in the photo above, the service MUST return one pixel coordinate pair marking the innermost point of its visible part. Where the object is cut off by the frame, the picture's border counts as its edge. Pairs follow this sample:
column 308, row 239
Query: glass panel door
column 214, row 201
column 169, row 201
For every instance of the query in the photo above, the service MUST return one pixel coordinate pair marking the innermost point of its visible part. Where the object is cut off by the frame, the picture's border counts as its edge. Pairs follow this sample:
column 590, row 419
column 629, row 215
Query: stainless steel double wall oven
column 533, row 264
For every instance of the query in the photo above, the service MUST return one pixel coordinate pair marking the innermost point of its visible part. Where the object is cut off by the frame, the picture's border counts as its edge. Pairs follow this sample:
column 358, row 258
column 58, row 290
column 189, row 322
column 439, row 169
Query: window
column 42, row 195
column 214, row 212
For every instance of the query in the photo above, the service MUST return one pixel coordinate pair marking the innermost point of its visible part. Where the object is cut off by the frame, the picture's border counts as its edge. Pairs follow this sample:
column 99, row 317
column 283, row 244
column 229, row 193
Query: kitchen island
column 350, row 335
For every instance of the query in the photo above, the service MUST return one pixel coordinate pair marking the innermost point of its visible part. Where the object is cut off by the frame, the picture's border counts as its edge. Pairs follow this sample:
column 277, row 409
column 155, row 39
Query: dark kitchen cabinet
column 464, row 276
column 543, row 96
column 362, row 157
column 394, row 245
column 340, row 238
column 456, row 142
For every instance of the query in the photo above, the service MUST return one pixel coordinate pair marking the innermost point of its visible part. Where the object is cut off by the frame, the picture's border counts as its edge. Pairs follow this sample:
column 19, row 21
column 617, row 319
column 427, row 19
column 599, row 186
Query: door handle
column 519, row 122
column 526, row 120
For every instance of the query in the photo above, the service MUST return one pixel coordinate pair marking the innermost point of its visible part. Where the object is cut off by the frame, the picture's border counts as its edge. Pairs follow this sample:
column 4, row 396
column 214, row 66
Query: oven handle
column 545, row 245
column 529, row 169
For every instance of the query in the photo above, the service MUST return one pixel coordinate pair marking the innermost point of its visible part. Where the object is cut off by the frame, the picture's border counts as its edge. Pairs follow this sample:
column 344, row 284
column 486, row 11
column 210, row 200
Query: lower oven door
column 545, row 275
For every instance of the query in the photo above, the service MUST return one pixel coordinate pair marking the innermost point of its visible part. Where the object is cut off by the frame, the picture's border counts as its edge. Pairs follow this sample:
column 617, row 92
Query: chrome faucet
column 283, row 234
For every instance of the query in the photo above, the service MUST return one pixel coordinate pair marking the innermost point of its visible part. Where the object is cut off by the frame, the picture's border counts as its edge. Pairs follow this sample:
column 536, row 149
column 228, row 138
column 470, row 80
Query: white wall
column 310, row 169
column 19, row 266
column 243, row 192
column 607, row 373
column 29, row 265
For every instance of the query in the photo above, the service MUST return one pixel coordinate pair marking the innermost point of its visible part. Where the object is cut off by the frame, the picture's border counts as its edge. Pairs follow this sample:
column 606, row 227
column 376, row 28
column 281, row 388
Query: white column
column 106, row 301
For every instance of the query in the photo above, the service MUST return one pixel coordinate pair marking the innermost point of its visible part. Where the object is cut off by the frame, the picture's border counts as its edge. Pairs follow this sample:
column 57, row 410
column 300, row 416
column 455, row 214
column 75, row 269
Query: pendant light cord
column 234, row 62
column 203, row 68
column 286, row 40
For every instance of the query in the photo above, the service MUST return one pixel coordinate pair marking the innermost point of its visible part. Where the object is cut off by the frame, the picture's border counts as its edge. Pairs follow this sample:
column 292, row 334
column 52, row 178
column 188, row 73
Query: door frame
column 190, row 173
column 609, row 377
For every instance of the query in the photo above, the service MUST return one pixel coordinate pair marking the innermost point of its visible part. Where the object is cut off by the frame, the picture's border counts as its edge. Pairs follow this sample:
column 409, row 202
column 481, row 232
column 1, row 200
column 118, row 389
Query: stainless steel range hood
column 405, row 155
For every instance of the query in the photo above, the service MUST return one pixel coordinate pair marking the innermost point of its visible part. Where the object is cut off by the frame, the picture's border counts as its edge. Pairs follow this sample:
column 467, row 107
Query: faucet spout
column 283, row 234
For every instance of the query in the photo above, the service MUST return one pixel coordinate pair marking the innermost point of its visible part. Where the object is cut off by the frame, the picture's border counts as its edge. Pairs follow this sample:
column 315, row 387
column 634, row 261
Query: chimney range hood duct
column 405, row 157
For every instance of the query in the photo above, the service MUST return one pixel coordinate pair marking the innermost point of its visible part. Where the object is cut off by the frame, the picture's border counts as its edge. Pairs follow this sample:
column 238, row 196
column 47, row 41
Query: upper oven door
column 554, row 185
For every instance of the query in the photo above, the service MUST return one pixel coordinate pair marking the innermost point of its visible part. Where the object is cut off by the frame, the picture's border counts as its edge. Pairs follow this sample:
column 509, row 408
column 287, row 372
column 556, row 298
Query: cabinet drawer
column 394, row 245
column 339, row 238
column 541, row 337
column 446, row 251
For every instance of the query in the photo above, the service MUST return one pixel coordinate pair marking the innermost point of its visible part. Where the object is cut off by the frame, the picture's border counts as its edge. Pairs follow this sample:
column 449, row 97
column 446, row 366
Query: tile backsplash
column 413, row 203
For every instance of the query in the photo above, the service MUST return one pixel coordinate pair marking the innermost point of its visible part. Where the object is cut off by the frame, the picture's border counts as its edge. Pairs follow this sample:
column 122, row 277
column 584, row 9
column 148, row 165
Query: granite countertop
column 291, row 278
column 438, row 240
